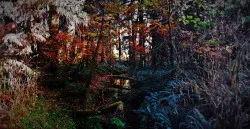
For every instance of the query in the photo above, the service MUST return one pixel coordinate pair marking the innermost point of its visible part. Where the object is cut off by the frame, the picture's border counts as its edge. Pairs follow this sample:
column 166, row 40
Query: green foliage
column 43, row 117
column 92, row 122
column 195, row 22
column 116, row 94
column 151, row 3
column 117, row 123
column 96, row 122
column 213, row 42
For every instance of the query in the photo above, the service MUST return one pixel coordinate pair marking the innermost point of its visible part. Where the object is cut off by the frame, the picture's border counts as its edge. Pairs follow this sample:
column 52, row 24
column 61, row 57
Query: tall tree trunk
column 132, row 45
column 171, row 44
column 154, row 53
column 119, row 45
column 141, row 38
column 155, row 43
column 93, row 62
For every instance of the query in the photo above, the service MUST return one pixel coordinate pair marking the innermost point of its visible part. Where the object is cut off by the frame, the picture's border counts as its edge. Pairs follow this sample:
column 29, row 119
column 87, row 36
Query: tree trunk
column 171, row 45
column 93, row 62
column 141, row 38
column 132, row 46
column 154, row 53
column 119, row 45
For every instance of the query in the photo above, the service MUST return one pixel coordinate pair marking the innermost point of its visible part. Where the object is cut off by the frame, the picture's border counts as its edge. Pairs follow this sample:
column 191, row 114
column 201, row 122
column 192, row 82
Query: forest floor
column 155, row 92
column 71, row 101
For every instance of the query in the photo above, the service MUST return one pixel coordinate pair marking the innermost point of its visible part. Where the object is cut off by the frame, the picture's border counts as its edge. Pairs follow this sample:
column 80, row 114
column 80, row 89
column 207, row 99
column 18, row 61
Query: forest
column 124, row 64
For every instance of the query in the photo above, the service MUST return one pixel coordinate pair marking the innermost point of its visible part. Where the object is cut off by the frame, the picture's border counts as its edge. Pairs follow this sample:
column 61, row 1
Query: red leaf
column 139, row 48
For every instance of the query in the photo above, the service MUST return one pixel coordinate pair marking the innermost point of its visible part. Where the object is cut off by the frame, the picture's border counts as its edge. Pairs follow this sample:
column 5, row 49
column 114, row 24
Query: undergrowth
column 47, row 116
column 173, row 108
column 97, row 122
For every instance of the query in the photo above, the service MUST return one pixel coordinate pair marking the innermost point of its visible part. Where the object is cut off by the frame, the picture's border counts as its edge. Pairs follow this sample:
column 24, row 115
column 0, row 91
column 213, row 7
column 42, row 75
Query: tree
column 29, row 29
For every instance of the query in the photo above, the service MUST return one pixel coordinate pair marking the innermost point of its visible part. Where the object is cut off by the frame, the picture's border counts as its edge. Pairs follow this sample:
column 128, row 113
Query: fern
column 165, row 109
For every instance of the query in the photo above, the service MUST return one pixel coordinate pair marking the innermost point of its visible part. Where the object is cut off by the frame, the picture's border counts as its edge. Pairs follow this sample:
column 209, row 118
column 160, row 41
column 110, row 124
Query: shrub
column 91, row 122
column 172, row 108
column 47, row 117
column 17, row 92
column 117, row 123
